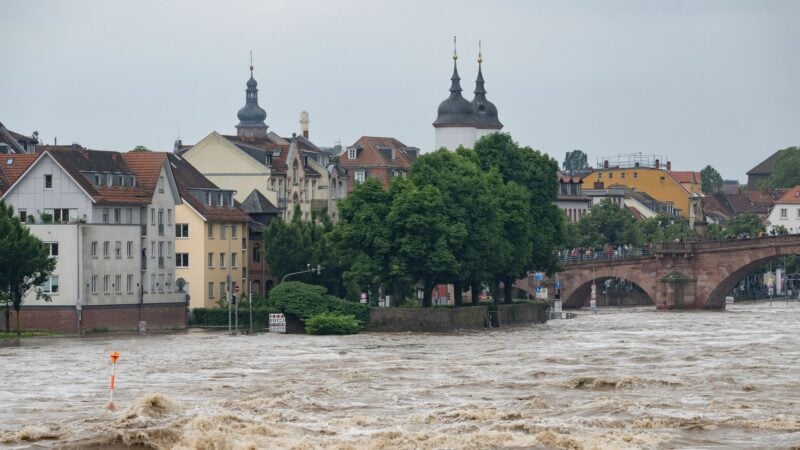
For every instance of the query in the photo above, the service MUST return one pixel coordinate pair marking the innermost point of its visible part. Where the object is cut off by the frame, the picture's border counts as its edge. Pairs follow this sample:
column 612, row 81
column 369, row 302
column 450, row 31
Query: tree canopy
column 575, row 160
column 787, row 169
column 710, row 180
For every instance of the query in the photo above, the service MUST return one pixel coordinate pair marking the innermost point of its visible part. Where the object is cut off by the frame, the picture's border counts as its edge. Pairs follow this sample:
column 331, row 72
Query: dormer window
column 120, row 180
column 221, row 199
column 352, row 153
column 394, row 154
column 208, row 198
column 98, row 179
column 132, row 180
column 110, row 180
column 268, row 159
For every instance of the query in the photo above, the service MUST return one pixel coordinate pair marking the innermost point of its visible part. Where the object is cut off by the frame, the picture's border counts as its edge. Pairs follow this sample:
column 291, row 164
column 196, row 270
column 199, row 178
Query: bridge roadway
column 677, row 275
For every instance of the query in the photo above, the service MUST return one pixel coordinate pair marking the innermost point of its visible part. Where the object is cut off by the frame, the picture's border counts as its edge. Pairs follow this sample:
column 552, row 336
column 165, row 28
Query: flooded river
column 625, row 378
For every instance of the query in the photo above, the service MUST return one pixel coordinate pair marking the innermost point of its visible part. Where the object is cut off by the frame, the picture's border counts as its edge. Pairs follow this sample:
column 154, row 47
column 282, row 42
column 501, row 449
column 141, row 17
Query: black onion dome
column 251, row 113
column 455, row 110
column 485, row 110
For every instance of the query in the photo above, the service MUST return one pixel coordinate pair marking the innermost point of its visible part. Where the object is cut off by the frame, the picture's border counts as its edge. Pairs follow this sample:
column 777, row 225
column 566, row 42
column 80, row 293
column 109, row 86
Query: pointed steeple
column 251, row 116
column 485, row 110
column 455, row 111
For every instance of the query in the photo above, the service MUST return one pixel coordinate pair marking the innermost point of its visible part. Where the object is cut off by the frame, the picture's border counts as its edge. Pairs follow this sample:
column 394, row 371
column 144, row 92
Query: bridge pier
column 679, row 291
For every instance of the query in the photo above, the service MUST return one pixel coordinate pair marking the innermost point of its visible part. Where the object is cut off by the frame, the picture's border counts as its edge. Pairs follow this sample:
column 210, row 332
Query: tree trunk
column 508, row 286
column 7, row 313
column 17, row 304
column 396, row 293
column 427, row 301
column 475, row 287
column 458, row 296
column 496, row 292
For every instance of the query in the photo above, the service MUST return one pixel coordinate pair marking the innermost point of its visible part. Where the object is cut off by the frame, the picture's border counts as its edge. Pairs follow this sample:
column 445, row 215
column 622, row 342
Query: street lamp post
column 317, row 269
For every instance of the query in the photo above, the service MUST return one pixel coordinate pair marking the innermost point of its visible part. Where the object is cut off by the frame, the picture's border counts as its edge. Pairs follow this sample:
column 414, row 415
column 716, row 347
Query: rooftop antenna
column 455, row 52
column 480, row 57
column 251, row 63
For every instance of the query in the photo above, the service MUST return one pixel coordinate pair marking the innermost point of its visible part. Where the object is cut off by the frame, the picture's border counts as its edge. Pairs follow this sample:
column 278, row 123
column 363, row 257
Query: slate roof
column 257, row 203
column 765, row 167
column 187, row 178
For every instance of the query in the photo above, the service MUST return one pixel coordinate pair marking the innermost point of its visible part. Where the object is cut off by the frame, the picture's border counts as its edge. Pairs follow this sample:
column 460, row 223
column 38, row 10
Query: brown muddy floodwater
column 625, row 378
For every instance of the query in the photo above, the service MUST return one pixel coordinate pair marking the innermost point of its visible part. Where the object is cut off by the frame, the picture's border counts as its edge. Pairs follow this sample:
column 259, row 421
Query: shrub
column 307, row 300
column 332, row 323
column 218, row 317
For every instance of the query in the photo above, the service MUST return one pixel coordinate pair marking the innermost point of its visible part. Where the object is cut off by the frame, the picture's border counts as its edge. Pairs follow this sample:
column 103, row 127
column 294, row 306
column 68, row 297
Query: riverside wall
column 451, row 319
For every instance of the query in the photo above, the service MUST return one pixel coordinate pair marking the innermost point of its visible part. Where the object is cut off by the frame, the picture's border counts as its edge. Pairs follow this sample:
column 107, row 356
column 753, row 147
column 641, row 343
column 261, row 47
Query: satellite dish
column 180, row 282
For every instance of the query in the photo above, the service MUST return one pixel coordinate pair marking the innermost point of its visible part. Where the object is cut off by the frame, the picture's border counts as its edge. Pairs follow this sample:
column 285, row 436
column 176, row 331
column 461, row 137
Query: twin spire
column 456, row 111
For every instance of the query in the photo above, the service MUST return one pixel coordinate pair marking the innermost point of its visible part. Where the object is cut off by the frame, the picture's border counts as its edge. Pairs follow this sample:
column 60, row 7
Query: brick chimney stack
column 304, row 124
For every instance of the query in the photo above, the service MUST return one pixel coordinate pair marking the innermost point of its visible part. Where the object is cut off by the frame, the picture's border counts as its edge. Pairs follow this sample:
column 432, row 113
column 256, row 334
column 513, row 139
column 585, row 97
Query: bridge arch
column 729, row 279
column 577, row 286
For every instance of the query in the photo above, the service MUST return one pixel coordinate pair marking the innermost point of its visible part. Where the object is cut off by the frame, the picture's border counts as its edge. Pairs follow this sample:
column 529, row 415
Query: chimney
column 605, row 164
column 669, row 165
column 658, row 164
column 304, row 124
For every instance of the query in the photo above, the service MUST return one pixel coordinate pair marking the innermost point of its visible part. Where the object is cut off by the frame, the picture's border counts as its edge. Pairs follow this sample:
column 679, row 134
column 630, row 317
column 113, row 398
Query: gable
column 216, row 155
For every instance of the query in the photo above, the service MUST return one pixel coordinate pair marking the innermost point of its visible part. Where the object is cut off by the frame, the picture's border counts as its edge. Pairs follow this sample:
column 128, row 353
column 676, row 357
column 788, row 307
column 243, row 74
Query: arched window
column 295, row 179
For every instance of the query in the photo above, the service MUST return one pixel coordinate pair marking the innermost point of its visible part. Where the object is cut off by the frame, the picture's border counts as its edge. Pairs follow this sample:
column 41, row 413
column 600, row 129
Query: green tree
column 710, row 180
column 745, row 224
column 25, row 263
column 575, row 160
column 787, row 169
column 285, row 250
column 424, row 236
column 607, row 224
column 140, row 148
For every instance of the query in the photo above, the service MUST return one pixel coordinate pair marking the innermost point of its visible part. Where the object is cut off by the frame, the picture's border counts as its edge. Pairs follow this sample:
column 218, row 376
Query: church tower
column 456, row 123
column 251, row 116
column 485, row 111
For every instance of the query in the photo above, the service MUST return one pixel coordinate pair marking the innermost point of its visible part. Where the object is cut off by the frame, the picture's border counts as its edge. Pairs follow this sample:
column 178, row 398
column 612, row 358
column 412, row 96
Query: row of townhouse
column 133, row 233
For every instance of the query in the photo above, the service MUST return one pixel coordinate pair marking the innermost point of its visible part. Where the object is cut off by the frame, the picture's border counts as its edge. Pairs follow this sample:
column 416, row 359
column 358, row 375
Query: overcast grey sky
column 700, row 82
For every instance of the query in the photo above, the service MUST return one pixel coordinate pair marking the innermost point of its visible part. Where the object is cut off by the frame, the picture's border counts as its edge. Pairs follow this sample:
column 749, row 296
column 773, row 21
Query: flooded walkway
column 625, row 378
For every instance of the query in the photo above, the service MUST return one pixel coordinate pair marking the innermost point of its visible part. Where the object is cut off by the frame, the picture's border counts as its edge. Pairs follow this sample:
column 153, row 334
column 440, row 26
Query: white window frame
column 360, row 176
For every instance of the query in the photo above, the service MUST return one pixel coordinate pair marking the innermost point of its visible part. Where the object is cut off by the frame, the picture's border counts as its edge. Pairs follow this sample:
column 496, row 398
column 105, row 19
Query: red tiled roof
column 685, row 176
column 147, row 167
column 188, row 178
column 372, row 154
column 791, row 197
column 19, row 164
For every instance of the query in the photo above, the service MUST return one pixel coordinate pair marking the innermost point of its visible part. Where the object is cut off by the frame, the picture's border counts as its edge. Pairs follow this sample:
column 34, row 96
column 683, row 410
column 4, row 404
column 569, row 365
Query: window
column 23, row 215
column 222, row 260
column 152, row 216
column 110, row 179
column 48, row 181
column 233, row 231
column 129, row 284
column 52, row 248
column 352, row 153
column 222, row 231
column 105, row 215
column 94, row 284
column 160, row 254
column 160, row 222
column 220, row 199
column 798, row 213
column 222, row 290
column 117, row 215
column 105, row 249
column 51, row 285
column 622, row 175
column 182, row 230
column 117, row 284
column 610, row 175
column 152, row 283
column 233, row 260
column 161, row 184
column 784, row 213
column 152, row 250
column 98, row 179
column 169, row 217
column 361, row 175
column 130, row 249
column 94, row 249
column 182, row 259
column 208, row 198
column 256, row 253
column 128, row 215
column 161, row 282
column 118, row 249
column 63, row 214
column 106, row 284
column 169, row 249
column 210, row 260
column 120, row 180
column 211, row 231
column 210, row 290
column 168, row 282
column 635, row 175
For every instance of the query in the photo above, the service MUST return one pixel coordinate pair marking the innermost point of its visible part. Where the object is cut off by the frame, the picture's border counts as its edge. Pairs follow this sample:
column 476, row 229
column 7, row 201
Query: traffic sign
column 538, row 276
column 236, row 288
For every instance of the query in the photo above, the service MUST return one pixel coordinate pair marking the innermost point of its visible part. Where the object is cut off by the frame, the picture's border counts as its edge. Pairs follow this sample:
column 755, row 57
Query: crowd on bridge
column 606, row 252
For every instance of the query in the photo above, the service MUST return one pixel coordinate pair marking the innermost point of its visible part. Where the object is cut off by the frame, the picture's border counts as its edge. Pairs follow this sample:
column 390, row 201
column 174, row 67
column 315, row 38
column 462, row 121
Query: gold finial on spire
column 480, row 57
column 251, row 62
column 455, row 53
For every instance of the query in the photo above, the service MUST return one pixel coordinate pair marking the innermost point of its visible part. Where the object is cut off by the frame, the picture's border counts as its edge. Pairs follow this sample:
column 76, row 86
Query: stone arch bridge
column 678, row 275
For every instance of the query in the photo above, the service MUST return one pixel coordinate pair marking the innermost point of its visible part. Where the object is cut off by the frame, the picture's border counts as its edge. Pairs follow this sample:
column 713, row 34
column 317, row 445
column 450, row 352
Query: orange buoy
column 114, row 357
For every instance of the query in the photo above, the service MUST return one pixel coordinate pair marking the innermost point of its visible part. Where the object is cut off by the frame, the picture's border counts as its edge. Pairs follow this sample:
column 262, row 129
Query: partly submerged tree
column 710, row 180
column 25, row 263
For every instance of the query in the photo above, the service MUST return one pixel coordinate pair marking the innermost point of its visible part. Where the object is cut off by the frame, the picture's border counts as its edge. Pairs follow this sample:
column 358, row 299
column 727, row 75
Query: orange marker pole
column 114, row 357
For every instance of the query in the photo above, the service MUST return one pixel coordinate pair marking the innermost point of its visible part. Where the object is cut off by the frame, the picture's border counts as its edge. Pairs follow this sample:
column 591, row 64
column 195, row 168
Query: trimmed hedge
column 331, row 323
column 307, row 300
column 218, row 317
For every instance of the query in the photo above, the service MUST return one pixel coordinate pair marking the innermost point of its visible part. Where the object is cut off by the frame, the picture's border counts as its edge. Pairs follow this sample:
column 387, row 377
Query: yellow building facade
column 655, row 182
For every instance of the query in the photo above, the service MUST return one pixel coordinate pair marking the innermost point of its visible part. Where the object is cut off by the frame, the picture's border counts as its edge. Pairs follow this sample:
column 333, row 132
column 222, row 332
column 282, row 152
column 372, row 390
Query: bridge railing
column 580, row 255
